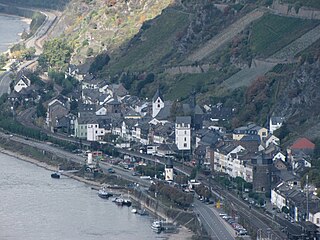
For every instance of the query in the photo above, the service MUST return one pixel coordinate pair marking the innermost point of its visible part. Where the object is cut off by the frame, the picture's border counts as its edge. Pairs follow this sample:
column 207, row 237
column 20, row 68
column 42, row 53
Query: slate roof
column 276, row 120
column 183, row 119
column 157, row 95
column 165, row 112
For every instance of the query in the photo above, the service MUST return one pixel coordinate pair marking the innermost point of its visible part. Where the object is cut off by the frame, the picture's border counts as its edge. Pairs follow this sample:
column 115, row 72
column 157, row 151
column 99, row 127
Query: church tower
column 169, row 170
column 157, row 103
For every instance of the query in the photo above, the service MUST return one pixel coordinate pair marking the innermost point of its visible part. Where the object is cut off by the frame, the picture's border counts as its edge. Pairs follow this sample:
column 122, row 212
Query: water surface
column 35, row 206
column 10, row 29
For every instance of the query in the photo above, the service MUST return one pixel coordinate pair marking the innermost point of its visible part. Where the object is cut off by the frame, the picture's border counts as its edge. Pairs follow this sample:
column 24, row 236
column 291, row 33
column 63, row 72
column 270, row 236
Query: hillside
column 244, row 55
column 95, row 26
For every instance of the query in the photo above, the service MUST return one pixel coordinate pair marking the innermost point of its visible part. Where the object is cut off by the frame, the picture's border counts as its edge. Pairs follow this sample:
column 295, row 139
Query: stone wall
column 289, row 10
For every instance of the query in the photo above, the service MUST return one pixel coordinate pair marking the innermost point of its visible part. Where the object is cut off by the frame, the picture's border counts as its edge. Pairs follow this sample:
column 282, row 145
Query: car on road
column 111, row 170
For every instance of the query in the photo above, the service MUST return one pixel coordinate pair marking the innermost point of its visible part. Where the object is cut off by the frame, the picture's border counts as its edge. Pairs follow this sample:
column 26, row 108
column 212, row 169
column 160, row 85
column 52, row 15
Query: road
column 35, row 41
column 215, row 228
column 5, row 81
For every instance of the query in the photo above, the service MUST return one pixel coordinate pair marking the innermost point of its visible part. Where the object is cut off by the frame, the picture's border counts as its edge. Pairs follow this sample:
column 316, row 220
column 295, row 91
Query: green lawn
column 154, row 44
column 272, row 32
column 307, row 3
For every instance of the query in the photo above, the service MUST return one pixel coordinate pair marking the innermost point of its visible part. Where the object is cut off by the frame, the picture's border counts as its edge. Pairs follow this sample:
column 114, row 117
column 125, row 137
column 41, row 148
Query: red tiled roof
column 303, row 143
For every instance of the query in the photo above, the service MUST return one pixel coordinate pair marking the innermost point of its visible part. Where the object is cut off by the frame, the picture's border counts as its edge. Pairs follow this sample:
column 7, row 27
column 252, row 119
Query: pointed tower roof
column 157, row 95
column 169, row 163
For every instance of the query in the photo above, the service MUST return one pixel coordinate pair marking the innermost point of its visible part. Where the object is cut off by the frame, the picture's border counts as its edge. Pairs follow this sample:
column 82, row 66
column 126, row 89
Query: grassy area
column 154, row 44
column 271, row 33
column 307, row 3
column 202, row 83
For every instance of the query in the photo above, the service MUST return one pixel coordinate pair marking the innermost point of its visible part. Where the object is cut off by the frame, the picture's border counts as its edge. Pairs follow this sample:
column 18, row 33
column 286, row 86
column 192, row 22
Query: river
column 10, row 29
column 35, row 206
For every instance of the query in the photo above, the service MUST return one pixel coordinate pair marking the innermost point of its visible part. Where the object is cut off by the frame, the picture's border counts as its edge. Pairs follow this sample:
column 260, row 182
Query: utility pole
column 307, row 186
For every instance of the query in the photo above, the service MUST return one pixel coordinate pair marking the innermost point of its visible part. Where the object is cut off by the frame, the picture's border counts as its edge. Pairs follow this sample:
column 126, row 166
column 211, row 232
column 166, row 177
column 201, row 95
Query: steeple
column 157, row 95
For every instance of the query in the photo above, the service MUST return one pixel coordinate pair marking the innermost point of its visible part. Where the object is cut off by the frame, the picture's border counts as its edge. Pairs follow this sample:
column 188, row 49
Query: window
column 185, row 139
column 96, row 132
column 185, row 145
column 158, row 105
column 185, row 132
column 158, row 100
column 318, row 220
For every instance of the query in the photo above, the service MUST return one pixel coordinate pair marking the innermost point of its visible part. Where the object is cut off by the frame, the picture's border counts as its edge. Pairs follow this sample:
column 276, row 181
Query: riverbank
column 183, row 234
column 12, row 28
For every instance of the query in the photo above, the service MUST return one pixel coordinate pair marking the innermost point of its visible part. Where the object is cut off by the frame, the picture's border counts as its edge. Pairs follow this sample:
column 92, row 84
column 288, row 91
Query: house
column 279, row 156
column 183, row 133
column 66, row 124
column 140, row 132
column 23, row 82
column 271, row 139
column 94, row 132
column 233, row 160
column 301, row 205
column 302, row 145
column 56, row 110
column 101, row 111
column 275, row 123
column 219, row 113
column 86, row 110
column 90, row 82
column 166, row 150
column 113, row 105
column 250, row 129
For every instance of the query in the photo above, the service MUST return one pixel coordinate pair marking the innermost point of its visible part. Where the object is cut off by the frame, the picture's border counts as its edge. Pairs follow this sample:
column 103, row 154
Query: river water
column 10, row 28
column 35, row 206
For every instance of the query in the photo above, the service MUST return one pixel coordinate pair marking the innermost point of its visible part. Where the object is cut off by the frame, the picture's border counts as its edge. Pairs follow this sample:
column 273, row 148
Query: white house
column 94, row 133
column 271, row 139
column 228, row 160
column 183, row 133
column 102, row 111
column 23, row 82
column 277, row 198
column 157, row 103
column 280, row 156
column 275, row 123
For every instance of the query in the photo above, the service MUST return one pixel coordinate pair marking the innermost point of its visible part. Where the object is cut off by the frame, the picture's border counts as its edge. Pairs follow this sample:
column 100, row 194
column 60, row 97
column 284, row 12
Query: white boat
column 157, row 226
column 134, row 211
column 103, row 193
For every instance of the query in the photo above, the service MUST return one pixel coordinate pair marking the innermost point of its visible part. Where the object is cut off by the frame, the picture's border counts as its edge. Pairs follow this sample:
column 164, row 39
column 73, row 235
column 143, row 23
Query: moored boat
column 103, row 193
column 55, row 175
column 157, row 226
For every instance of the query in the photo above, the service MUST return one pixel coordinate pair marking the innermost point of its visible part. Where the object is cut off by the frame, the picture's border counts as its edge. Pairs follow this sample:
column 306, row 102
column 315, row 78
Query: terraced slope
column 226, row 36
column 247, row 76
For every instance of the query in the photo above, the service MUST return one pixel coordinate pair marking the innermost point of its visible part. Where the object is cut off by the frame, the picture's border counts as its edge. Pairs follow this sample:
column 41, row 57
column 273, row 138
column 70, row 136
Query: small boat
column 134, row 211
column 157, row 226
column 142, row 212
column 55, row 175
column 103, row 193
column 126, row 202
column 122, row 202
column 119, row 201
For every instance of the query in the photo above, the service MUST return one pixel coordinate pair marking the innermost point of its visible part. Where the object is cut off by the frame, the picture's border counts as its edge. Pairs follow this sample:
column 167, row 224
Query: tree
column 56, row 54
column 41, row 111
column 285, row 209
